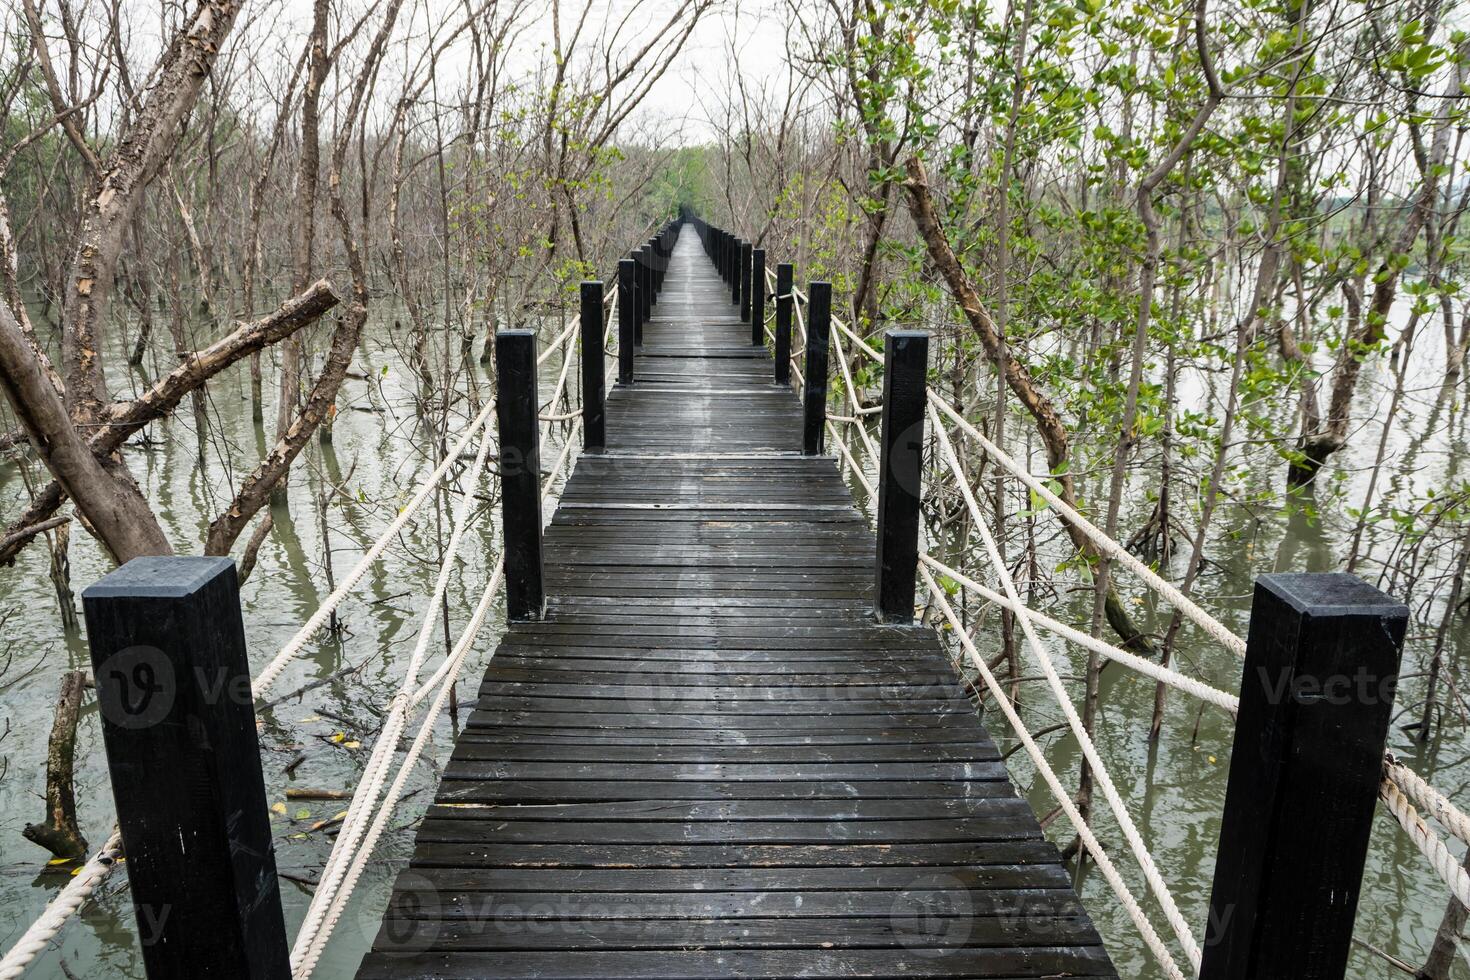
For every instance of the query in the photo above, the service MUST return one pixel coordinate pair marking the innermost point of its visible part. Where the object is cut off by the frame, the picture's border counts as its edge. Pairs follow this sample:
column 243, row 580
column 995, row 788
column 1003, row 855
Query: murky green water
column 381, row 450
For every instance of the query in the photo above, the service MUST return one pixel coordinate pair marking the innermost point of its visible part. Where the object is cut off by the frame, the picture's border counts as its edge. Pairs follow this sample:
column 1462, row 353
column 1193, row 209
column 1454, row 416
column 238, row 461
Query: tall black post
column 516, row 408
column 737, row 249
column 1321, row 663
column 627, row 319
column 745, row 280
column 900, row 472
column 178, row 723
column 785, row 274
column 644, row 290
column 758, row 297
column 594, row 430
column 814, row 393
column 657, row 252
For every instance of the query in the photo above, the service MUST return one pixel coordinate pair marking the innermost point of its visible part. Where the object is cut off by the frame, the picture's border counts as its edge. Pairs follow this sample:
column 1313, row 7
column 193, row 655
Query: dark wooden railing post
column 814, row 394
column 517, row 413
column 785, row 304
column 758, row 297
column 900, row 471
column 745, row 260
column 178, row 723
column 594, row 385
column 627, row 319
column 645, row 293
column 1321, row 663
column 737, row 248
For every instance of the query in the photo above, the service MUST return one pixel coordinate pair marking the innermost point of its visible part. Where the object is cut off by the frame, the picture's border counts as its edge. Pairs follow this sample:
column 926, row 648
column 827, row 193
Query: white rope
column 852, row 465
column 1112, row 549
column 1104, row 780
column 1089, row 840
column 836, row 321
column 272, row 671
column 449, row 676
column 354, row 846
column 60, row 909
column 852, row 400
column 1430, row 844
column 1164, row 675
column 801, row 345
column 365, row 797
column 558, row 343
column 1422, row 794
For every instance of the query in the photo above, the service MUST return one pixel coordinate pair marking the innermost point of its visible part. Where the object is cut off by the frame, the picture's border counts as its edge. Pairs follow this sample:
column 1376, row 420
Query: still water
column 381, row 449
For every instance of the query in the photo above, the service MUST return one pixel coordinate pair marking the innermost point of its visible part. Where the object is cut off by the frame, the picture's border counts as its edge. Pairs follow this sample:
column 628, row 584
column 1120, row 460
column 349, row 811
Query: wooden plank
column 1076, row 962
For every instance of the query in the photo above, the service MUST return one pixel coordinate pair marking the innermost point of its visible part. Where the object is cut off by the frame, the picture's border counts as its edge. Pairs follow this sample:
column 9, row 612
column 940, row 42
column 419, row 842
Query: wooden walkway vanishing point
column 708, row 759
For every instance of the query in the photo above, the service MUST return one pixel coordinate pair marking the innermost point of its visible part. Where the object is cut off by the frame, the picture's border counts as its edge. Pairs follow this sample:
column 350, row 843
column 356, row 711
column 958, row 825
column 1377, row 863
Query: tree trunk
column 59, row 833
column 1048, row 422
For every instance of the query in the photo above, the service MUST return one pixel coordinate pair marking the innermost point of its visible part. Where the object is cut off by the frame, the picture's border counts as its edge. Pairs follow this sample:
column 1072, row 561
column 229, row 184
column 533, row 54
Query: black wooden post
column 745, row 280
column 758, row 297
column 785, row 274
column 737, row 248
column 516, row 408
column 814, row 394
column 627, row 320
column 178, row 722
column 900, row 469
column 594, row 389
column 645, row 293
column 1321, row 663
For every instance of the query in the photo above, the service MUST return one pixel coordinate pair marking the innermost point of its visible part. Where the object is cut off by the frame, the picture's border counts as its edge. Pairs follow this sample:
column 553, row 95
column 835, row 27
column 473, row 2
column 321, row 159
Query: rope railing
column 1054, row 783
column 1401, row 791
column 356, row 837
column 1101, row 775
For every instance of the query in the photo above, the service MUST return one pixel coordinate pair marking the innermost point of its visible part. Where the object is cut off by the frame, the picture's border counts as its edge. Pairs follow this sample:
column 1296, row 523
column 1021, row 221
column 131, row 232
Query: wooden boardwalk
column 709, row 760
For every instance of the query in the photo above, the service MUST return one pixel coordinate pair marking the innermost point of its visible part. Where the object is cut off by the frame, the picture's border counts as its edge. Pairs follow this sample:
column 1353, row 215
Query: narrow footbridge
column 713, row 742
column 707, row 758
